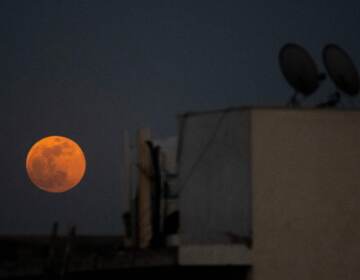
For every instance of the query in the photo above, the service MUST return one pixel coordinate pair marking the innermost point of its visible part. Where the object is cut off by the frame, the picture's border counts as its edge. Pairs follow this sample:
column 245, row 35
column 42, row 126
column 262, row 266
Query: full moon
column 55, row 164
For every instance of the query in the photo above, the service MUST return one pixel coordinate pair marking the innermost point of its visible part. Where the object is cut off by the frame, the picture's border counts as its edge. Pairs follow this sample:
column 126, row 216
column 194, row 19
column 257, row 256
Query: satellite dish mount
column 342, row 72
column 300, row 71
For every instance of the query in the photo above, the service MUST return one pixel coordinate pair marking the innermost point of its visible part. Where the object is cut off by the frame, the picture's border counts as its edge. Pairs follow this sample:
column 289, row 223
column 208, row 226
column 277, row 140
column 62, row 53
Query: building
column 276, row 189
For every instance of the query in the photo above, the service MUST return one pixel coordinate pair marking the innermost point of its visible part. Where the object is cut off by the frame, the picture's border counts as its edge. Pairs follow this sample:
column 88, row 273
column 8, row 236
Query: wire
column 183, row 185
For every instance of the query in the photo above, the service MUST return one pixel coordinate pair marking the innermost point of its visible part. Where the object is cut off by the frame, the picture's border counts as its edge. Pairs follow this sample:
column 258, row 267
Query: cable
column 202, row 153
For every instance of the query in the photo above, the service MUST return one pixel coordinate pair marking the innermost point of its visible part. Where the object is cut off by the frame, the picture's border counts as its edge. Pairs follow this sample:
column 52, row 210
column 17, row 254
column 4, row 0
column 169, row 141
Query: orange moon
column 55, row 164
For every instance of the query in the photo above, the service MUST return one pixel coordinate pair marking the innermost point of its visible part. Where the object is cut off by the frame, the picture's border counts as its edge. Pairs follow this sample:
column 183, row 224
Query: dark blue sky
column 90, row 69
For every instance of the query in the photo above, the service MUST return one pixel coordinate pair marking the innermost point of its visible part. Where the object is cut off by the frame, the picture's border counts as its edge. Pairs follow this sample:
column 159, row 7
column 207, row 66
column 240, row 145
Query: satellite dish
column 341, row 69
column 299, row 69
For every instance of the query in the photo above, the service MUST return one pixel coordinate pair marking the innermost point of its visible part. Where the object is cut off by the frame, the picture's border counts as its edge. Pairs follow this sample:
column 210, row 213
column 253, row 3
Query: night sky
column 90, row 69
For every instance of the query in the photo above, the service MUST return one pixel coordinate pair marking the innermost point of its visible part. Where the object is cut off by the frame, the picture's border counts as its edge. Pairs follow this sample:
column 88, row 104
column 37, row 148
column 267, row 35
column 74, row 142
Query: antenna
column 300, row 71
column 341, row 69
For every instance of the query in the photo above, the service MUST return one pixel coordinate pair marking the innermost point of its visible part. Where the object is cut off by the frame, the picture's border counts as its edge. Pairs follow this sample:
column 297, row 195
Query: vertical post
column 51, row 262
column 157, row 194
column 68, row 251
column 144, row 165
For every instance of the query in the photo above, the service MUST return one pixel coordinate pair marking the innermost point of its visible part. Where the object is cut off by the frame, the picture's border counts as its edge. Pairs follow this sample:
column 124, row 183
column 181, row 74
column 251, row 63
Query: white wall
column 214, row 177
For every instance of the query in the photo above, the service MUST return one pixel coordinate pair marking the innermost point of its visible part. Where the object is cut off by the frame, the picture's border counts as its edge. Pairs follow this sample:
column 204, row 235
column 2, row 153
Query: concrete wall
column 214, row 177
column 214, row 255
column 306, row 194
